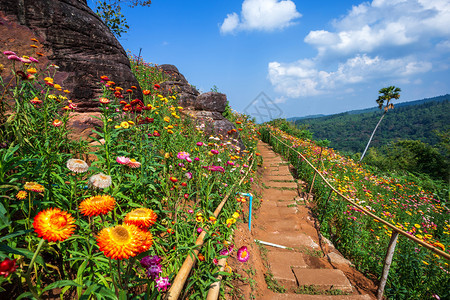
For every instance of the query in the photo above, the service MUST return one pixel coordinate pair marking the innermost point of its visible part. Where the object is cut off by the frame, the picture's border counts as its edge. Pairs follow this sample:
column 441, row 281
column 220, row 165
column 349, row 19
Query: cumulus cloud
column 263, row 15
column 371, row 27
column 303, row 78
column 374, row 40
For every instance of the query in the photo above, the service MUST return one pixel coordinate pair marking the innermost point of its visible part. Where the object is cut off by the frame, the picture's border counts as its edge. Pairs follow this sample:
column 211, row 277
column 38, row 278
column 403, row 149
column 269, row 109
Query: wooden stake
column 387, row 264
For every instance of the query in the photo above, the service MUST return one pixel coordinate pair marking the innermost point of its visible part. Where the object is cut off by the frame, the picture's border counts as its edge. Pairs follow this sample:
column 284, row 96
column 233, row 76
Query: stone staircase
column 310, row 267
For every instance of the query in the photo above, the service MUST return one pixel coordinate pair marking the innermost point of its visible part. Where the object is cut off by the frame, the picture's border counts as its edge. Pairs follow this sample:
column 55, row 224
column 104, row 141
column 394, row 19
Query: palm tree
column 387, row 94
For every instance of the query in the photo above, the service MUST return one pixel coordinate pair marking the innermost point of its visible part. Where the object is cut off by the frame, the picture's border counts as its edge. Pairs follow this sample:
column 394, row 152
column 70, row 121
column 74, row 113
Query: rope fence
column 395, row 231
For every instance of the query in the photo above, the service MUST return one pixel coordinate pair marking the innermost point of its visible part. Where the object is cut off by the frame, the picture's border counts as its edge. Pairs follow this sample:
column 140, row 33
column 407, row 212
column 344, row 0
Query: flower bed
column 115, row 218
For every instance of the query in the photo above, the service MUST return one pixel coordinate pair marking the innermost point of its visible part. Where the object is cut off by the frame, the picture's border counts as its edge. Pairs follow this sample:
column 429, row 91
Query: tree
column 110, row 11
column 387, row 94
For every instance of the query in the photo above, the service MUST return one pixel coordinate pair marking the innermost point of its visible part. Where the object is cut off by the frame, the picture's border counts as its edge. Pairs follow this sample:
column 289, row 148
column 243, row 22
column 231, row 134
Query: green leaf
column 17, row 233
column 26, row 294
column 23, row 252
column 60, row 284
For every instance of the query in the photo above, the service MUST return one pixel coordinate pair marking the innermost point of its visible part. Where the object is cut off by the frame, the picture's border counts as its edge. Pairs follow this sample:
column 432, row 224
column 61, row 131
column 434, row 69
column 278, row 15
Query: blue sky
column 307, row 57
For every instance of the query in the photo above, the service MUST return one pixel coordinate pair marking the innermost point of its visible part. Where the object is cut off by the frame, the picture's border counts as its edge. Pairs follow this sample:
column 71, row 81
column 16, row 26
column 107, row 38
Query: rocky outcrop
column 74, row 38
column 177, row 82
column 206, row 108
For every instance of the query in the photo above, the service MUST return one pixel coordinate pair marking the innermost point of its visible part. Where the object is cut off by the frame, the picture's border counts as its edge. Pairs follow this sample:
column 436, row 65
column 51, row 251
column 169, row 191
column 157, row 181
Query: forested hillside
column 350, row 132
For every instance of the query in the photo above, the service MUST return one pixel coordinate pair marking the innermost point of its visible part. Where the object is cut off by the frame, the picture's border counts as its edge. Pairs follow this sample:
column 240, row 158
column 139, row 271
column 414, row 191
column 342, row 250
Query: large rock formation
column 206, row 108
column 74, row 38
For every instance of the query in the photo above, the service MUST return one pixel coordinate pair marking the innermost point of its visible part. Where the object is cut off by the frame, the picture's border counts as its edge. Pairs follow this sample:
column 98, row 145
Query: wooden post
column 387, row 264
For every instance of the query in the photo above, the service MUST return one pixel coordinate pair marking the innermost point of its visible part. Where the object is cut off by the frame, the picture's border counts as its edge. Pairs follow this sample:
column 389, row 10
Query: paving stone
column 279, row 177
column 285, row 257
column 323, row 279
column 287, row 185
column 291, row 239
column 336, row 258
column 280, row 194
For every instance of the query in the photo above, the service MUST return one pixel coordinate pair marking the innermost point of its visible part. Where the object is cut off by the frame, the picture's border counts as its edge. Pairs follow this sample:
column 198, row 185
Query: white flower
column 77, row 165
column 100, row 181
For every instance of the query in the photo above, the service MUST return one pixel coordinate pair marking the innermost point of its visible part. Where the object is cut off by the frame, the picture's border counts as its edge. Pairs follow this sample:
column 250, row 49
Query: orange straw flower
column 21, row 195
column 141, row 217
column 34, row 186
column 122, row 241
column 97, row 205
column 54, row 224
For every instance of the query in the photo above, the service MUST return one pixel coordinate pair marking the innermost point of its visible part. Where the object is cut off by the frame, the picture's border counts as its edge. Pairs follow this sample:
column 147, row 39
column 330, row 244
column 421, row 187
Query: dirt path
column 310, row 267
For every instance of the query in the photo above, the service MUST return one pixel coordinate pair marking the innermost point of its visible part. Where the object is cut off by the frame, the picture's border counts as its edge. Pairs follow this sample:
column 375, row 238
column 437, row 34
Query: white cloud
column 303, row 78
column 263, row 15
column 378, row 40
column 372, row 27
column 230, row 23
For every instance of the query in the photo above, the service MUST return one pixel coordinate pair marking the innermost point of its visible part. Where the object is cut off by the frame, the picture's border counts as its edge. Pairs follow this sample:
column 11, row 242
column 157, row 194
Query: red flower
column 173, row 179
column 157, row 86
column 146, row 92
column 186, row 196
column 7, row 266
column 156, row 133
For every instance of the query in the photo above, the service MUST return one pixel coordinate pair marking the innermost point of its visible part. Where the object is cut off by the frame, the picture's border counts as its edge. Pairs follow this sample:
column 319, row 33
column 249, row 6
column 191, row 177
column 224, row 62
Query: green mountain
column 414, row 120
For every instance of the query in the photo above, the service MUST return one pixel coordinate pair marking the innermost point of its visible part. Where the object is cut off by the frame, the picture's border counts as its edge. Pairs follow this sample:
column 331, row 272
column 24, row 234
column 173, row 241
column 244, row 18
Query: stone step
column 287, row 185
column 279, row 177
column 292, row 239
column 281, row 263
column 323, row 279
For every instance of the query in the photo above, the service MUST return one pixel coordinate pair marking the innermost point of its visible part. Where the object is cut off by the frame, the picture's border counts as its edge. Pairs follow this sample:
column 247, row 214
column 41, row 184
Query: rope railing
column 411, row 237
column 182, row 275
column 395, row 231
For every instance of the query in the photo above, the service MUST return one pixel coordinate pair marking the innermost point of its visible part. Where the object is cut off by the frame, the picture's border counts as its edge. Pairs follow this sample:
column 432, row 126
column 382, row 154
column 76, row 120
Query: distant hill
column 350, row 131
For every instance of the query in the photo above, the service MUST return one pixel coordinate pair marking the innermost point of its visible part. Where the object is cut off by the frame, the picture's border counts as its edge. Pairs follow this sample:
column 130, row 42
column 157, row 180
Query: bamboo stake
column 179, row 281
column 375, row 217
column 213, row 293
column 387, row 264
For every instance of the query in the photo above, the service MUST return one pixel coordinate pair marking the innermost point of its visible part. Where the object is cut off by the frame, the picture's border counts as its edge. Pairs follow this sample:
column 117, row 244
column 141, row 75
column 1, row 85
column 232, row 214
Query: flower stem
column 116, row 289
column 30, row 267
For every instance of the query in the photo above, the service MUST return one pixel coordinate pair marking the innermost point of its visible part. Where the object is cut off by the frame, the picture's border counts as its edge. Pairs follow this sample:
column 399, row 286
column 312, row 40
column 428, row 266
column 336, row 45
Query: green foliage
column 138, row 147
column 350, row 132
column 110, row 11
column 291, row 129
column 412, row 156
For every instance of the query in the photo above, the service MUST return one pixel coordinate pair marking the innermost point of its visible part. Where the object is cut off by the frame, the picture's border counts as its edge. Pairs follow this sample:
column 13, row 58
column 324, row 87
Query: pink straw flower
column 199, row 144
column 9, row 53
column 183, row 155
column 242, row 254
column 122, row 160
column 162, row 283
column 14, row 57
column 133, row 163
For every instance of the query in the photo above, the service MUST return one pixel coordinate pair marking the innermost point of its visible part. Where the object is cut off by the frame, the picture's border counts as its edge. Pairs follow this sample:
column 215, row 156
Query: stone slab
column 290, row 239
column 279, row 177
column 284, row 195
column 287, row 185
column 323, row 279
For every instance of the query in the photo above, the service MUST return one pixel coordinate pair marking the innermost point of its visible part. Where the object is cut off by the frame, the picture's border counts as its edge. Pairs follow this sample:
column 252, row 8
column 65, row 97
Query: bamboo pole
column 387, row 264
column 375, row 217
column 179, row 281
column 213, row 293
